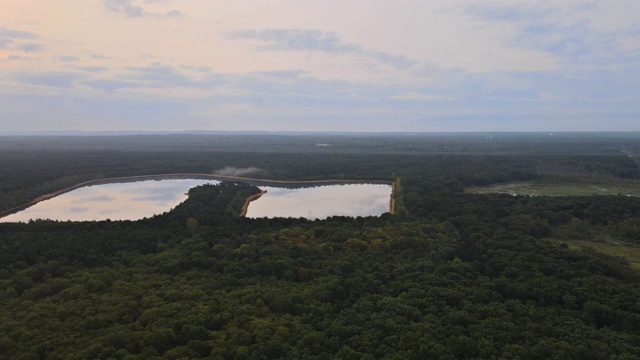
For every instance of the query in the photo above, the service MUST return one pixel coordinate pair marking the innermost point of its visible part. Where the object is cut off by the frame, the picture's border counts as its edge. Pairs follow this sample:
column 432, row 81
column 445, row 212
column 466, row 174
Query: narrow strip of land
column 245, row 206
column 392, row 201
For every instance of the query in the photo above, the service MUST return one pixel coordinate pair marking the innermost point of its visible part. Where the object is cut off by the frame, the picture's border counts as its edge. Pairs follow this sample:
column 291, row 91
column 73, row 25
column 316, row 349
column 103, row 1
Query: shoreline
column 248, row 200
column 392, row 201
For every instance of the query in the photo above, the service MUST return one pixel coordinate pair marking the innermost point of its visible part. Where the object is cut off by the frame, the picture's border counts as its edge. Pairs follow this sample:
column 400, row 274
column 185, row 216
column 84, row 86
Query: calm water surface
column 322, row 201
column 116, row 201
column 139, row 199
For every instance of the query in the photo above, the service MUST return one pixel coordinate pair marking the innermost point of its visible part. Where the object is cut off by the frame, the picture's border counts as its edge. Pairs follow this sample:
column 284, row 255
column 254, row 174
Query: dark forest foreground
column 451, row 275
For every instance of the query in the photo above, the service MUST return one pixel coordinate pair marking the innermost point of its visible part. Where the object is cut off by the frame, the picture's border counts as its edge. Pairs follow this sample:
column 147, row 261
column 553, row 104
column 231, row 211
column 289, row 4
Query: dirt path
column 181, row 175
column 392, row 202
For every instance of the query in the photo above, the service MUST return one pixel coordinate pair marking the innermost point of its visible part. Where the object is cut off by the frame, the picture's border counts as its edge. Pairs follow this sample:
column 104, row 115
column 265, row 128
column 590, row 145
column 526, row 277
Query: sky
column 331, row 65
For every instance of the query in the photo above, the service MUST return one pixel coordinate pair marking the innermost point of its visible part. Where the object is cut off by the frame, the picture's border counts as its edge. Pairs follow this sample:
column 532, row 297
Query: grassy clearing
column 617, row 187
column 628, row 251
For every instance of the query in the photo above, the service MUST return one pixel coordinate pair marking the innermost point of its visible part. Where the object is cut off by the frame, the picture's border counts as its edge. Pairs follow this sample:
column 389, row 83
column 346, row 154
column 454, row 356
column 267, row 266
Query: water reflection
column 322, row 201
column 115, row 201
column 138, row 199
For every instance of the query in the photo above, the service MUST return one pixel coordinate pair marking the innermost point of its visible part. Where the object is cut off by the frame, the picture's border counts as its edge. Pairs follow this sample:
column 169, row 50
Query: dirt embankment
column 245, row 206
column 392, row 202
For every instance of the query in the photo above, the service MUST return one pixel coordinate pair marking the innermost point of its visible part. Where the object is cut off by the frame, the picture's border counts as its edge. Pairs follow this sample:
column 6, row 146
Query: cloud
column 67, row 58
column 199, row 69
column 125, row 7
column 67, row 110
column 100, row 57
column 158, row 73
column 397, row 61
column 30, row 47
column 316, row 40
column 91, row 69
column 109, row 85
column 154, row 75
column 16, row 34
column 129, row 9
column 157, row 76
column 12, row 40
column 509, row 11
column 418, row 96
column 563, row 30
column 295, row 40
column 161, row 198
column 281, row 75
column 16, row 57
column 51, row 79
column 173, row 14
column 94, row 199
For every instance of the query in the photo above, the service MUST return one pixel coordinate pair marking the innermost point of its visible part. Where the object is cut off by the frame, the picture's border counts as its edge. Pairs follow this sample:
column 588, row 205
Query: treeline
column 28, row 175
column 583, row 217
column 337, row 143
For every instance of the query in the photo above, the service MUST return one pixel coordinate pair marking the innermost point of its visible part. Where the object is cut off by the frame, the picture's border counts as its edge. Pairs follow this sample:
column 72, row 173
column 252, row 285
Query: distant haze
column 357, row 65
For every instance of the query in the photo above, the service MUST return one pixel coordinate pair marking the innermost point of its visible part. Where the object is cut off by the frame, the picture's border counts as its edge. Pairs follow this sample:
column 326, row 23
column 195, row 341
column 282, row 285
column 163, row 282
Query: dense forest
column 450, row 275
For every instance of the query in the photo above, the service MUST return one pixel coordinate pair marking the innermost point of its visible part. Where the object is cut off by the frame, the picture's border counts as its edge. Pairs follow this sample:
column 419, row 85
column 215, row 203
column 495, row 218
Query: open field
column 617, row 187
column 628, row 251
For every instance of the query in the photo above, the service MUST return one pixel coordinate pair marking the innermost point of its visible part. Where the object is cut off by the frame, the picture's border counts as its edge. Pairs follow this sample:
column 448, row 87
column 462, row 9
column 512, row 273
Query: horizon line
column 293, row 132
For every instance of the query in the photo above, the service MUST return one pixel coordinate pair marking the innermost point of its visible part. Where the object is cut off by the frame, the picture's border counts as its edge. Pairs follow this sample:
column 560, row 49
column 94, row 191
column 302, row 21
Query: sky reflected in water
column 322, row 201
column 115, row 201
column 140, row 199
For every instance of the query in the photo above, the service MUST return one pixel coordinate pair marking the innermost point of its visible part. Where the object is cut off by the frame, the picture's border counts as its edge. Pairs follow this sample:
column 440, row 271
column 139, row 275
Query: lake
column 131, row 200
column 134, row 200
column 322, row 201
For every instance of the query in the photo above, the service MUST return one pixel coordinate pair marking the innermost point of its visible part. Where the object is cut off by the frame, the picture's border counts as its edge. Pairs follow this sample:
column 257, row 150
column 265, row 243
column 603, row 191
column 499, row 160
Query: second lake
column 321, row 202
